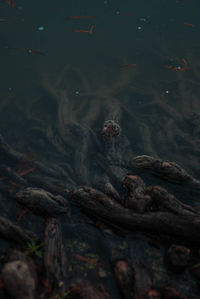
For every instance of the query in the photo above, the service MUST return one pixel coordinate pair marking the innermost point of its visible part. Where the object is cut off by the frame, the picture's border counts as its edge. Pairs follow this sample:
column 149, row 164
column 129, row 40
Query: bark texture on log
column 95, row 203
column 137, row 199
column 55, row 259
column 42, row 202
column 170, row 171
column 164, row 201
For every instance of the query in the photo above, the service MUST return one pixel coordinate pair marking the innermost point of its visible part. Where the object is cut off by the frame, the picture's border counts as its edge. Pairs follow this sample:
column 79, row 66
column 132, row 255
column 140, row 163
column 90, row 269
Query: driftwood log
column 93, row 202
column 55, row 258
column 148, row 209
column 42, row 202
column 169, row 171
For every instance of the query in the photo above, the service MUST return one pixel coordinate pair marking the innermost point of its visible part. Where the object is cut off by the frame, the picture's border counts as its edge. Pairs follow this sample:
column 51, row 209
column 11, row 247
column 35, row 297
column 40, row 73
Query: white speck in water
column 105, row 2
column 167, row 91
column 143, row 19
column 77, row 92
column 139, row 28
column 179, row 67
column 10, row 88
column 117, row 12
column 41, row 28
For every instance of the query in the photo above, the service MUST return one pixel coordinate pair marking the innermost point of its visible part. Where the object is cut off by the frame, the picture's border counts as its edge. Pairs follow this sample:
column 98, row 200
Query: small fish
column 29, row 51
column 85, row 31
column 91, row 29
column 128, row 65
column 3, row 20
column 11, row 3
column 185, row 64
column 190, row 25
column 80, row 17
column 176, row 69
column 168, row 67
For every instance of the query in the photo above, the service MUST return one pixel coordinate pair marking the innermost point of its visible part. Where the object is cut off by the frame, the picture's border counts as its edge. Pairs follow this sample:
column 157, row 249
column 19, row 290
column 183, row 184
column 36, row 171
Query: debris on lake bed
column 48, row 267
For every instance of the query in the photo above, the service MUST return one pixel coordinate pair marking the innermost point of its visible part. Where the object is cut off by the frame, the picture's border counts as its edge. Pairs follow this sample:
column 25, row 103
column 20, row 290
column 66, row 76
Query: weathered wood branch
column 42, row 202
column 169, row 171
column 55, row 258
column 95, row 203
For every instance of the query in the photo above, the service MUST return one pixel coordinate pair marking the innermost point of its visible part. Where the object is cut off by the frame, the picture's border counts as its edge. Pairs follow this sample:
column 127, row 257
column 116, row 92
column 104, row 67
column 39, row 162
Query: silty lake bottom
column 68, row 67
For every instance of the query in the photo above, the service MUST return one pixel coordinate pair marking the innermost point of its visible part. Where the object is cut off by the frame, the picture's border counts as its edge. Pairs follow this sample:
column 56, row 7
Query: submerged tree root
column 144, row 209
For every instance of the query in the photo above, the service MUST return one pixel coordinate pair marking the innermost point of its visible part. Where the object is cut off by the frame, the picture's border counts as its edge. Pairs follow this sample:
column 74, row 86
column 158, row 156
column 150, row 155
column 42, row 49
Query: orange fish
column 85, row 31
column 29, row 51
column 91, row 29
column 190, row 25
column 185, row 67
column 176, row 69
column 11, row 3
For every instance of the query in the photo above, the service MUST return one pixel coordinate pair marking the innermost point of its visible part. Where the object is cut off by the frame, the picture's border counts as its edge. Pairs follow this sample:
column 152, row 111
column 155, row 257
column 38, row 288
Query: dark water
column 55, row 105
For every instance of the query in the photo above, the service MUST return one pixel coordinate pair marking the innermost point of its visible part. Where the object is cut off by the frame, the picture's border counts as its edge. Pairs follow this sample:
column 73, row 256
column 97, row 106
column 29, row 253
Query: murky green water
column 55, row 105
